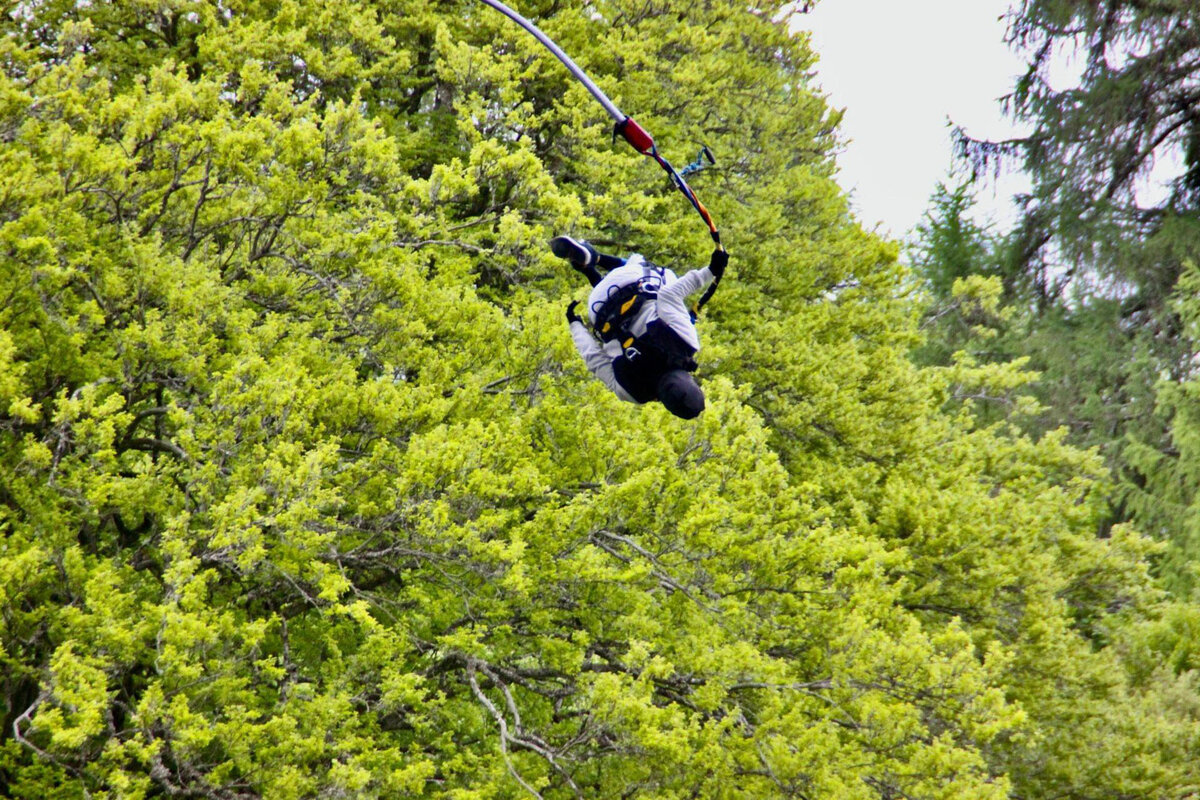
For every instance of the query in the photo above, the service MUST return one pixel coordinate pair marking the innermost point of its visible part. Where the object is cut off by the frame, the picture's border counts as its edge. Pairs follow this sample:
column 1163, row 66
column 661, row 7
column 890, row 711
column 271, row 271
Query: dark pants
column 605, row 262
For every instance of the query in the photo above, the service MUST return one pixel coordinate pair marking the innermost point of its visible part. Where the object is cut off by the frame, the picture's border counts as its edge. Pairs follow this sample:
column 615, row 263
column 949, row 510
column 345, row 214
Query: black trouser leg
column 607, row 262
column 604, row 261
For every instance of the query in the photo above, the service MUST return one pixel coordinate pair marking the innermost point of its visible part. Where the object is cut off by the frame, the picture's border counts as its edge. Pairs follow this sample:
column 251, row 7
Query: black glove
column 716, row 264
column 571, row 315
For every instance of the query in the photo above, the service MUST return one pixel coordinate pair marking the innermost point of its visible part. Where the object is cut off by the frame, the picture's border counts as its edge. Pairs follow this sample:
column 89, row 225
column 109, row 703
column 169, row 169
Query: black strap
column 712, row 287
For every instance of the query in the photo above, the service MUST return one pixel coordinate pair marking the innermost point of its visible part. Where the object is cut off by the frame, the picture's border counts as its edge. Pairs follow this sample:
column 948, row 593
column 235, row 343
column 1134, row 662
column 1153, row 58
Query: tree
column 304, row 493
column 950, row 245
column 1096, row 254
column 1092, row 141
column 1166, row 498
column 958, row 262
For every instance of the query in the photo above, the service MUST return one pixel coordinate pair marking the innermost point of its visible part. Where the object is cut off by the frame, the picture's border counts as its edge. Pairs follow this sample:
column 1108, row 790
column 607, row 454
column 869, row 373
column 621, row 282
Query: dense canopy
column 303, row 491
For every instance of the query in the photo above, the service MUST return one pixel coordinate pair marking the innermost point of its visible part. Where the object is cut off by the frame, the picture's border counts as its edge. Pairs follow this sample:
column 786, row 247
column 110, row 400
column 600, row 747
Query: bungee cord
column 629, row 130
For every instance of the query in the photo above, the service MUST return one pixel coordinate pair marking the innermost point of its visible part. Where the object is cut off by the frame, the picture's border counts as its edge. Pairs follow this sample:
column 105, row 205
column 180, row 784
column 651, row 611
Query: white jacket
column 669, row 308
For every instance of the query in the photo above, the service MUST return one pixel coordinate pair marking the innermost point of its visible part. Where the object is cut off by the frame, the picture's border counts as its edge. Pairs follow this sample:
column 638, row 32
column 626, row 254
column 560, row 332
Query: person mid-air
column 647, row 339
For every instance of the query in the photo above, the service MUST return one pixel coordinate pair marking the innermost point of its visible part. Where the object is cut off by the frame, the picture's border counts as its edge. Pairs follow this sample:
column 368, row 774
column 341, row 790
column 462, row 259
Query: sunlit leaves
column 305, row 493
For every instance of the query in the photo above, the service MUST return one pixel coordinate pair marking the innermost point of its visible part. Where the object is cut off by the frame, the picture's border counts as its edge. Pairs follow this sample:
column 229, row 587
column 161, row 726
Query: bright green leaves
column 79, row 684
column 306, row 493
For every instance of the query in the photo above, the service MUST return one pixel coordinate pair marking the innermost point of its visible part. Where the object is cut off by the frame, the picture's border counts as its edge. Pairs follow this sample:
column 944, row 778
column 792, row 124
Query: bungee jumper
column 647, row 339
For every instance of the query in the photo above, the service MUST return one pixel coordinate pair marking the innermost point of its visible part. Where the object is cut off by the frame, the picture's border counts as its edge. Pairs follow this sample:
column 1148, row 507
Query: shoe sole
column 567, row 248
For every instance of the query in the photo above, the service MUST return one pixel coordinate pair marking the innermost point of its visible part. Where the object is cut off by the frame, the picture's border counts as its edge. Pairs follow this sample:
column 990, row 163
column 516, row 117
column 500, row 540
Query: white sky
column 902, row 69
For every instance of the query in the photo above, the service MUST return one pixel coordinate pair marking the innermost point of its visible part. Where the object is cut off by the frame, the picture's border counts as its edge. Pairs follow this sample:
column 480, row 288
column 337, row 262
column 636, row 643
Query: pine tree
column 1092, row 141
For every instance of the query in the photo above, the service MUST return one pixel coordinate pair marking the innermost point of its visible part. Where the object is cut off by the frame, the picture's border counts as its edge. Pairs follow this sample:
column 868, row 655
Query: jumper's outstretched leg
column 607, row 262
column 584, row 257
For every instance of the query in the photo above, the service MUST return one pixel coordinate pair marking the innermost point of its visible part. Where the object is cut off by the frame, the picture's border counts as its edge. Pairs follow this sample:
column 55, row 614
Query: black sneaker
column 580, row 254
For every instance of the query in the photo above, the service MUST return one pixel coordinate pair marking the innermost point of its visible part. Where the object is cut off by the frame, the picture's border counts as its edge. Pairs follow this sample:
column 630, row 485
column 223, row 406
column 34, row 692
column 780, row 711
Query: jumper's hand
column 718, row 262
column 571, row 315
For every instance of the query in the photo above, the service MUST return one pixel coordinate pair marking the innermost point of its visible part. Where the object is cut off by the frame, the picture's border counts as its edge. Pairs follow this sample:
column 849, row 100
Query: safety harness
column 649, row 354
column 616, row 314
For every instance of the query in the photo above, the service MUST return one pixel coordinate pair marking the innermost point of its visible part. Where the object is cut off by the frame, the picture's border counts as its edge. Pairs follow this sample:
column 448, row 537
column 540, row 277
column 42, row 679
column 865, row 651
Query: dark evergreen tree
column 1095, row 258
column 1137, row 100
column 951, row 245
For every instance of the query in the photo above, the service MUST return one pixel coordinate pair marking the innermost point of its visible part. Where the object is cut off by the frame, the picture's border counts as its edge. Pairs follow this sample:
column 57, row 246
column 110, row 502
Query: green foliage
column 1096, row 134
column 303, row 492
column 1105, row 368
column 1165, row 500
column 1096, row 258
column 950, row 244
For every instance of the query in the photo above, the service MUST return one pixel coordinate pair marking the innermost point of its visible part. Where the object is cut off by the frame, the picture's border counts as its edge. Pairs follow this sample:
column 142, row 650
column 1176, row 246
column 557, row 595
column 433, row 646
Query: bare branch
column 658, row 571
column 157, row 445
column 504, row 736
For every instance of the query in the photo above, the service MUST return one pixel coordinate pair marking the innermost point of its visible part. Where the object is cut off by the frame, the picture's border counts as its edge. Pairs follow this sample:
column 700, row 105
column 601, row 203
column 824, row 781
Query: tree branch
column 500, row 721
